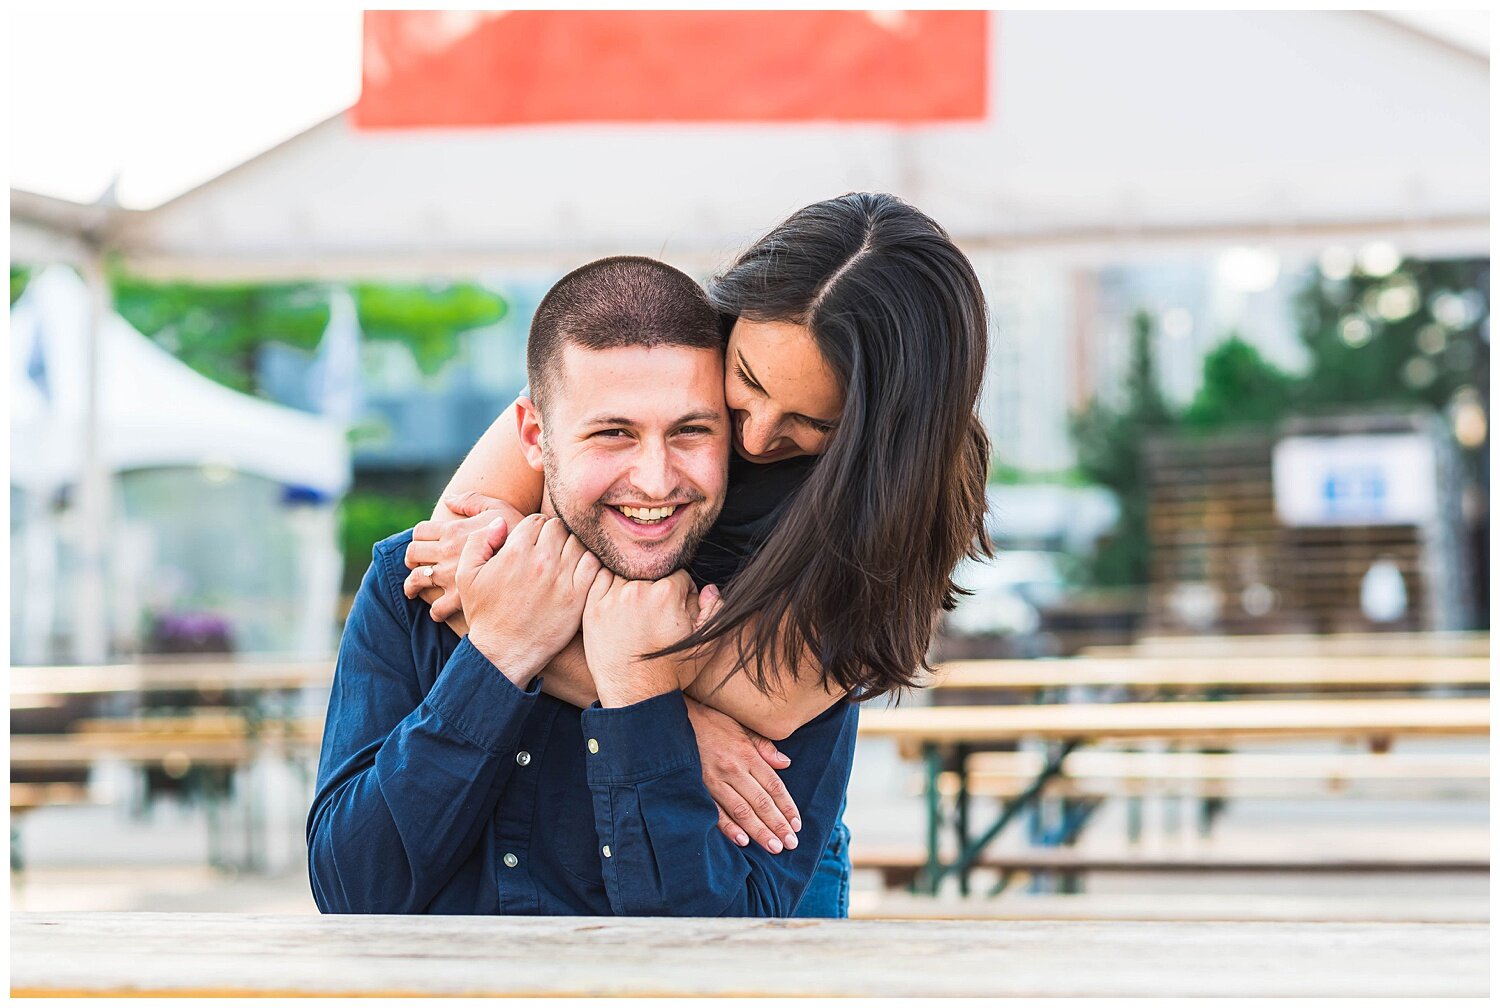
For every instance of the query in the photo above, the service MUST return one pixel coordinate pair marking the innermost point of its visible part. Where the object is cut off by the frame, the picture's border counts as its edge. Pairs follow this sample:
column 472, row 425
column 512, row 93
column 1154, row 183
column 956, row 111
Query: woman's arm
column 495, row 467
column 495, row 474
column 801, row 698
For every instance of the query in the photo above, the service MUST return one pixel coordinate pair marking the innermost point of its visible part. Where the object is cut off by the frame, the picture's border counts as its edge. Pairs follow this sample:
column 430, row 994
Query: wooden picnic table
column 1221, row 721
column 947, row 737
column 1454, row 644
column 1200, row 674
column 230, row 955
column 158, row 675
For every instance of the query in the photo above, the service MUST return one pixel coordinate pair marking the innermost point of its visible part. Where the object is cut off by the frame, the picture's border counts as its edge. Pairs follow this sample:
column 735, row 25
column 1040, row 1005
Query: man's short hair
column 621, row 301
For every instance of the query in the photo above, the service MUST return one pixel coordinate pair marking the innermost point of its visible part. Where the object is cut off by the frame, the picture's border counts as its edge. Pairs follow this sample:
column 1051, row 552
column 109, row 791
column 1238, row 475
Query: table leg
column 961, row 810
column 932, row 761
column 1020, row 803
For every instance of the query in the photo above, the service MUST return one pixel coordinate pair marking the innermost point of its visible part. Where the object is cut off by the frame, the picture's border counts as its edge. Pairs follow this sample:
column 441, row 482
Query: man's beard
column 588, row 525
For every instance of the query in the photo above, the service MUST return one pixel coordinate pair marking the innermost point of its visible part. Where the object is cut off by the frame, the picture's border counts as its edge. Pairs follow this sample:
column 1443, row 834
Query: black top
column 757, row 496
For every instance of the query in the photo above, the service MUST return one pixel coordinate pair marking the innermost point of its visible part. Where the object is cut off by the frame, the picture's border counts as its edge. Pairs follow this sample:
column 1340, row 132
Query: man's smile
column 648, row 524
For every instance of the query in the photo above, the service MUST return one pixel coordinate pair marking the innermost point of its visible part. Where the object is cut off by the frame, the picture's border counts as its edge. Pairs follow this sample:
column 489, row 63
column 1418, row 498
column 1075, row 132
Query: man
column 448, row 783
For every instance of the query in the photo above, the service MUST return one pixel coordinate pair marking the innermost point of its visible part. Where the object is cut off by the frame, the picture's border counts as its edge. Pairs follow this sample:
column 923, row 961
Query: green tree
column 218, row 329
column 1240, row 388
column 1415, row 334
column 1111, row 452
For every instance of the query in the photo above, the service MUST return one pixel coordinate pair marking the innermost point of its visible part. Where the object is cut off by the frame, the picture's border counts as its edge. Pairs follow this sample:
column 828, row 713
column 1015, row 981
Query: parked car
column 1008, row 593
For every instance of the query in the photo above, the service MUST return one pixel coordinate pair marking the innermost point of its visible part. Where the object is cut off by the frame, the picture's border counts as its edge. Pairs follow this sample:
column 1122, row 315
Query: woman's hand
column 435, row 546
column 739, row 769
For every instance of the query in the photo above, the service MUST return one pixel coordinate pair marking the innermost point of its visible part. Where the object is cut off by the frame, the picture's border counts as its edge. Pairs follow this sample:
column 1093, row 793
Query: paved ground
column 104, row 858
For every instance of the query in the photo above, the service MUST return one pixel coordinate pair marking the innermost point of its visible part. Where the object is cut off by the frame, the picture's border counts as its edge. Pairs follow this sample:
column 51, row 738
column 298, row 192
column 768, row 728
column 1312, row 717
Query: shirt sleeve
column 660, row 847
column 406, row 781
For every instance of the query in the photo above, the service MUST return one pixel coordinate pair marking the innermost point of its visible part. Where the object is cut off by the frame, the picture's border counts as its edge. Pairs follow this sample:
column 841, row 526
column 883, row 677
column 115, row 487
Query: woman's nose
column 756, row 433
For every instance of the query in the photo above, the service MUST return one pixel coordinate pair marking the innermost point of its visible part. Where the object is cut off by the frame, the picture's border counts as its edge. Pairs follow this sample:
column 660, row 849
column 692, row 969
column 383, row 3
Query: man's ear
column 529, row 429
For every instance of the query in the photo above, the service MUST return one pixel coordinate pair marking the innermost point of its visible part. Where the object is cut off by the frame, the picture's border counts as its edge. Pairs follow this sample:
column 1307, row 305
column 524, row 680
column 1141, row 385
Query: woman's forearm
column 496, row 467
column 801, row 698
column 567, row 676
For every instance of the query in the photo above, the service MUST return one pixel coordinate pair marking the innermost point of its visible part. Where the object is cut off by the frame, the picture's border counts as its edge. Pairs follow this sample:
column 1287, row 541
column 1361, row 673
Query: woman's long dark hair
column 860, row 562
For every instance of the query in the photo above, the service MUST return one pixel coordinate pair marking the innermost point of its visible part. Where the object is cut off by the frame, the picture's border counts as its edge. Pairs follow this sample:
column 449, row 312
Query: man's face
column 635, row 447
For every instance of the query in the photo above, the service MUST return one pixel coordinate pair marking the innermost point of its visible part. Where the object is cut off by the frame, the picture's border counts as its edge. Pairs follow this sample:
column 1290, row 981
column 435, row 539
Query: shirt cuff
column 646, row 740
column 476, row 699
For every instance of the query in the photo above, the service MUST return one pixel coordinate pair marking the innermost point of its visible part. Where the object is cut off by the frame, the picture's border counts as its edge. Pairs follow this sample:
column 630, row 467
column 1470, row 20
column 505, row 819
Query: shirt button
column 523, row 757
column 606, row 851
column 593, row 745
column 511, row 860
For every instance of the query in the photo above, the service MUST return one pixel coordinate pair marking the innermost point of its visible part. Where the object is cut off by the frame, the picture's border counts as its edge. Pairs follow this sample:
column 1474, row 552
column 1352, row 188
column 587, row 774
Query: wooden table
column 225, row 674
column 1219, row 673
column 947, row 736
column 1411, row 645
column 228, row 955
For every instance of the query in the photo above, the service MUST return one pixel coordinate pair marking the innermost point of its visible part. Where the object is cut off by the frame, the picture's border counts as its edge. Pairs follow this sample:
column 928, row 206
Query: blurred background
column 271, row 276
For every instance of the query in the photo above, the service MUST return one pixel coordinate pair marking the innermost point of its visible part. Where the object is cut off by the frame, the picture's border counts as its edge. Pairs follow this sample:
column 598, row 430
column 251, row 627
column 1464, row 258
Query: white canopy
column 1105, row 131
column 155, row 410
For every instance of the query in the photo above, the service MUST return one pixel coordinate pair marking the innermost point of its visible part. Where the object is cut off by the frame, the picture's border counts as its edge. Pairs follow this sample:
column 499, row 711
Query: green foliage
column 20, row 276
column 1111, row 452
column 428, row 319
column 1415, row 335
column 365, row 518
column 1240, row 388
column 1410, row 337
column 218, row 330
column 1001, row 474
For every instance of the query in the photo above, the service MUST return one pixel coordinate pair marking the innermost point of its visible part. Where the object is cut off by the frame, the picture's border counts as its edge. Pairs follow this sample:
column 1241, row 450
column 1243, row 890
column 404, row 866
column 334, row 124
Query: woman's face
column 783, row 399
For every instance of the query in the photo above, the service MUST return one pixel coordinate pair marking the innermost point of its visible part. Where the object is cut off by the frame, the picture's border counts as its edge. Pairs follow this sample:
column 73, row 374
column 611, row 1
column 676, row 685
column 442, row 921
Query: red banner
column 497, row 68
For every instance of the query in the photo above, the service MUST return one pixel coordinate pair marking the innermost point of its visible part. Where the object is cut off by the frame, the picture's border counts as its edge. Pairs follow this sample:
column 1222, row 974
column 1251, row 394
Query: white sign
column 1364, row 479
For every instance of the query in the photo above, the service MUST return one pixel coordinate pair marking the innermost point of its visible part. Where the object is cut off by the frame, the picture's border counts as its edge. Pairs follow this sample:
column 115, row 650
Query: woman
column 856, row 342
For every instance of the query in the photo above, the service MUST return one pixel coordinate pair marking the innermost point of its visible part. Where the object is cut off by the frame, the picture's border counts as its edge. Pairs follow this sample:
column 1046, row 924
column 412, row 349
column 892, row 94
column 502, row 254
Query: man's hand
column 739, row 770
column 625, row 619
column 524, row 603
column 432, row 556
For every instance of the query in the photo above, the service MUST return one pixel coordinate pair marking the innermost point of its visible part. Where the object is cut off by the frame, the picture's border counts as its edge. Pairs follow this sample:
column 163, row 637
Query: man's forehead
column 639, row 384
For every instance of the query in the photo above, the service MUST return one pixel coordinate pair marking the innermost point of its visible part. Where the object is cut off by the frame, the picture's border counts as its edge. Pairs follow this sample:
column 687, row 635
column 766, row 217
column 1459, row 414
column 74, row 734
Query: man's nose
column 653, row 474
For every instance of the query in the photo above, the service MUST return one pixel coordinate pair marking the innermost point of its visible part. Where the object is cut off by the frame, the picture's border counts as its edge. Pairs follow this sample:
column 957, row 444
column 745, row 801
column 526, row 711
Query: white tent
column 155, row 410
column 180, row 534
column 1105, row 133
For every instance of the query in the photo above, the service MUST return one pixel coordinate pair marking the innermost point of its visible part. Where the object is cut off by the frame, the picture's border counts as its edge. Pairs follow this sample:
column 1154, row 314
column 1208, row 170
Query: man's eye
column 612, row 433
column 695, row 430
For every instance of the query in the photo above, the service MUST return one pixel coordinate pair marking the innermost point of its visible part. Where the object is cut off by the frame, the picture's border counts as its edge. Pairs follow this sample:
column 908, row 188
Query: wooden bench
column 1205, row 721
column 1238, row 673
column 1411, row 645
column 952, row 735
column 900, row 866
column 26, row 797
column 1103, row 772
column 163, row 674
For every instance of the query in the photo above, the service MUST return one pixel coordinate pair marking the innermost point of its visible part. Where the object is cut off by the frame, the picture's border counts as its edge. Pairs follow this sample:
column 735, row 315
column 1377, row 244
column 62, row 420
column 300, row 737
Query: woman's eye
column 739, row 373
column 821, row 428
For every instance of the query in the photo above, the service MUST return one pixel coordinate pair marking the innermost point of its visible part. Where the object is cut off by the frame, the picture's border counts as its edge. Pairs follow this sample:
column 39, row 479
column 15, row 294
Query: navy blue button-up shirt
column 444, row 788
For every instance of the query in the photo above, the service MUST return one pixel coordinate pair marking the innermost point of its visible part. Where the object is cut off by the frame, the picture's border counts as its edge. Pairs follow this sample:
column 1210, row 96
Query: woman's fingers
column 771, row 785
column 755, row 811
column 729, row 828
column 471, row 503
column 420, row 552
